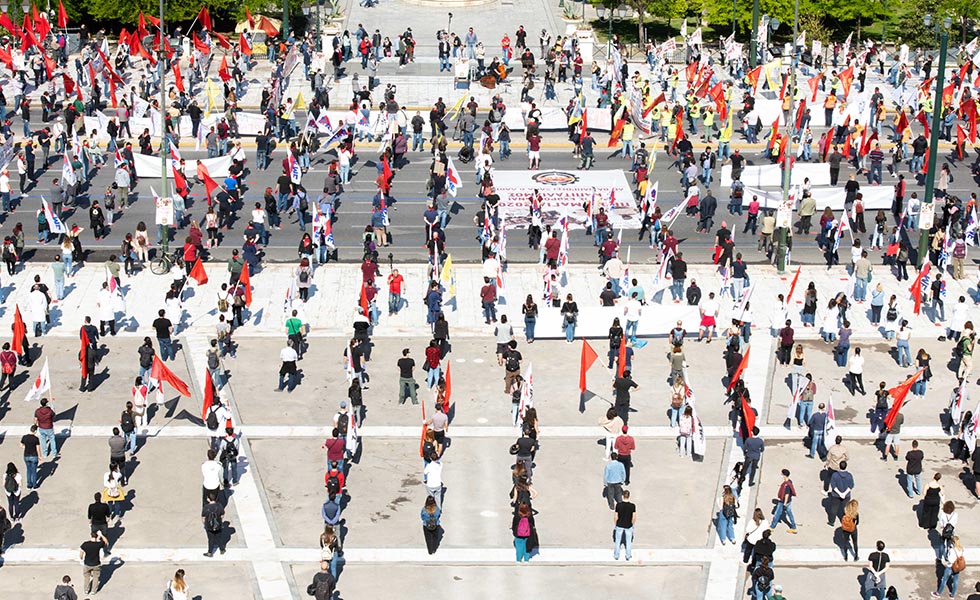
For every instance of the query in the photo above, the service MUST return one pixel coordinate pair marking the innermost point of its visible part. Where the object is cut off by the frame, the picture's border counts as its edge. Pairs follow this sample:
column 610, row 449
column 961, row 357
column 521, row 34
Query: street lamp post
column 164, row 150
column 753, row 41
column 781, row 248
column 285, row 20
column 937, row 110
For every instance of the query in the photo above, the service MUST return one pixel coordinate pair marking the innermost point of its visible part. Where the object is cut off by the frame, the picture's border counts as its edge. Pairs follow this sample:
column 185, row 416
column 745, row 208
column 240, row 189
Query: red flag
column 363, row 301
column 916, row 289
column 621, row 359
column 585, row 121
column 83, row 354
column 588, row 357
column 741, row 367
column 180, row 182
column 921, row 118
column 161, row 373
column 748, row 415
column 152, row 19
column 799, row 113
column 680, row 129
column 209, row 184
column 659, row 99
column 251, row 21
column 903, row 122
column 178, row 78
column 814, row 83
column 449, row 387
column 690, row 72
column 223, row 41
column 246, row 282
column 926, row 84
column 782, row 88
column 49, row 66
column 41, row 25
column 28, row 36
column 385, row 175
column 198, row 273
column 948, row 94
column 267, row 26
column 7, row 59
column 753, row 77
column 223, row 69
column 243, row 44
column 898, row 393
column 62, row 15
column 617, row 133
column 792, row 286
column 773, row 135
column 717, row 94
column 846, row 77
column 925, row 163
column 199, row 45
column 892, row 249
column 204, row 18
column 960, row 141
column 208, row 394
column 7, row 24
column 112, row 92
column 20, row 330
column 866, row 146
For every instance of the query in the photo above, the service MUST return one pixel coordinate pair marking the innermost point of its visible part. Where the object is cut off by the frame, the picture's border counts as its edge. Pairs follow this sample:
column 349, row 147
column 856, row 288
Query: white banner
column 149, row 166
column 771, row 176
column 565, row 192
column 874, row 198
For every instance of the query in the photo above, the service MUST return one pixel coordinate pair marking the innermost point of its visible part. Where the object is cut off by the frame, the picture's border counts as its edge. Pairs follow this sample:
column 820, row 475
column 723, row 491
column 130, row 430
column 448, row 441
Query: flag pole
column 164, row 150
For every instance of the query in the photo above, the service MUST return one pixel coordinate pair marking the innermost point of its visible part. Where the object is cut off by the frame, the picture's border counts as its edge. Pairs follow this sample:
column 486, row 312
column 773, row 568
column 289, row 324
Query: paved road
column 408, row 189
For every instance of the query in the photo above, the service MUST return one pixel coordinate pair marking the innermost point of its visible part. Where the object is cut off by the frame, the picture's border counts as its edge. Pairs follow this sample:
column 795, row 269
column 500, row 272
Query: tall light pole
column 754, row 40
column 781, row 247
column 285, row 20
column 937, row 110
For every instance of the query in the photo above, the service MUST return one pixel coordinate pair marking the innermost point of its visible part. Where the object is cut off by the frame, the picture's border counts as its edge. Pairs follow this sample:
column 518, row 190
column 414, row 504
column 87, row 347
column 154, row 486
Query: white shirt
column 857, row 364
column 490, row 268
column 223, row 415
column 258, row 216
column 211, row 473
column 633, row 309
column 4, row 183
column 288, row 355
column 432, row 474
column 710, row 308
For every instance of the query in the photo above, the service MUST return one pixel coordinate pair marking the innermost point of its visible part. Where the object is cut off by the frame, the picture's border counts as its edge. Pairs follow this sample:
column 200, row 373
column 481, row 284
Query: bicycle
column 163, row 264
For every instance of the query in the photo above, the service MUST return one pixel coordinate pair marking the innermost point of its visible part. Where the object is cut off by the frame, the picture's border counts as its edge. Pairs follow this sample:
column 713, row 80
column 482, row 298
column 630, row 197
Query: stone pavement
column 273, row 514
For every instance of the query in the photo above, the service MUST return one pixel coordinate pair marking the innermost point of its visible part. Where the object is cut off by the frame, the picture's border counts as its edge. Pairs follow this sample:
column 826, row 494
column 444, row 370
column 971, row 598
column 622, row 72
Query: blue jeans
column 417, row 142
column 569, row 331
column 166, row 349
column 805, row 410
column 623, row 535
column 520, row 544
column 66, row 260
column 260, row 159
column 468, row 139
column 840, row 354
column 31, row 463
column 394, row 303
column 913, row 484
column 444, row 64
column 489, row 311
column 630, row 332
column 130, row 439
column 878, row 419
column 529, row 328
column 49, row 445
column 726, row 528
column 762, row 595
column 783, row 509
column 432, row 378
column 904, row 355
column 952, row 578
column 808, row 318
column 677, row 289
column 59, row 288
column 287, row 381
column 674, row 414
column 860, row 289
column 816, row 445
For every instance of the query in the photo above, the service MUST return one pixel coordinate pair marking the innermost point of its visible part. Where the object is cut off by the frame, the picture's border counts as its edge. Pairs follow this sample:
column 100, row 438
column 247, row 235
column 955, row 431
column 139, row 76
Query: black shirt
column 913, row 460
column 405, row 367
column 622, row 387
column 624, row 514
column 879, row 560
column 31, row 444
column 881, row 399
column 162, row 326
column 93, row 551
column 525, row 446
column 608, row 297
column 98, row 513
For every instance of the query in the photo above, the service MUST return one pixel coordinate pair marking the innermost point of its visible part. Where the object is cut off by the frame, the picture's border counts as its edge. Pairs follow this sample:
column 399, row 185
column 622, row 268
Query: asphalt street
column 409, row 193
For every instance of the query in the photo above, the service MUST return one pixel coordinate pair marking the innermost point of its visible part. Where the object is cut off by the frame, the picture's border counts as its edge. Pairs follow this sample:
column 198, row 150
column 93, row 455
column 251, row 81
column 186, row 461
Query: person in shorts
column 709, row 313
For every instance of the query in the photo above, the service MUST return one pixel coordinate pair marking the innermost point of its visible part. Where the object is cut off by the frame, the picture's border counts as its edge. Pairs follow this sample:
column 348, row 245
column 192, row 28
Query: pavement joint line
column 280, row 556
column 773, row 433
column 253, row 514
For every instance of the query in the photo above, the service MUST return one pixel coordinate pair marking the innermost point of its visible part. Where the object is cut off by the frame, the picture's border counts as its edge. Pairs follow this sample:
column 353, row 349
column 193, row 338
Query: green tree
column 720, row 13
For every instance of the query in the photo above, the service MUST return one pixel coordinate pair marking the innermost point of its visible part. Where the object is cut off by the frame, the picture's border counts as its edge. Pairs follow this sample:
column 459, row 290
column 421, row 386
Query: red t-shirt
column 45, row 417
column 335, row 448
column 432, row 357
column 625, row 444
column 534, row 143
column 395, row 284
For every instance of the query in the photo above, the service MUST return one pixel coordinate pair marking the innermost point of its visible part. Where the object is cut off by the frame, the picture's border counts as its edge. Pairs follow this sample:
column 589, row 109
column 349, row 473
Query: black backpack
column 304, row 204
column 10, row 484
column 229, row 452
column 333, row 485
column 431, row 524
column 342, row 420
column 213, row 359
column 513, row 363
column 213, row 522
column 212, row 421
column 892, row 313
column 127, row 423
column 763, row 583
column 304, row 276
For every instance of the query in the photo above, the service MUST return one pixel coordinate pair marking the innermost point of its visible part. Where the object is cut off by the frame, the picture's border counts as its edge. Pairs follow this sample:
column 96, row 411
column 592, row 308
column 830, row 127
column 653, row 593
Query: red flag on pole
column 621, row 359
column 425, row 428
column 161, row 373
column 7, row 59
column 364, row 299
column 658, row 100
column 814, row 83
column 208, row 394
column 617, row 133
column 449, row 387
column 199, row 45
column 62, row 15
column 223, row 72
column 753, row 77
column 83, row 354
column 180, row 182
column 198, row 273
column 748, row 415
column 209, row 184
column 266, row 26
column 243, row 44
column 245, row 280
column 741, row 367
column 589, row 356
column 960, row 141
column 178, row 78
column 20, row 330
column 690, row 71
column 204, row 18
column 916, row 289
column 251, row 20
column 921, row 118
column 792, row 286
column 846, row 77
column 898, row 393
column 223, row 41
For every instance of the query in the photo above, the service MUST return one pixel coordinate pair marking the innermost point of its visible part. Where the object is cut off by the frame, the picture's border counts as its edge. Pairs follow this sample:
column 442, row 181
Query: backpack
column 213, row 359
column 847, row 524
column 167, row 595
column 947, row 533
column 333, row 485
column 728, row 511
column 304, row 276
column 513, row 364
column 8, row 362
column 239, row 301
column 304, row 204
column 892, row 313
column 958, row 565
column 229, row 452
column 212, row 420
column 523, row 528
column 212, row 522
column 223, row 304
column 10, row 484
column 763, row 583
column 431, row 524
column 126, row 422
column 342, row 421
column 326, row 553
